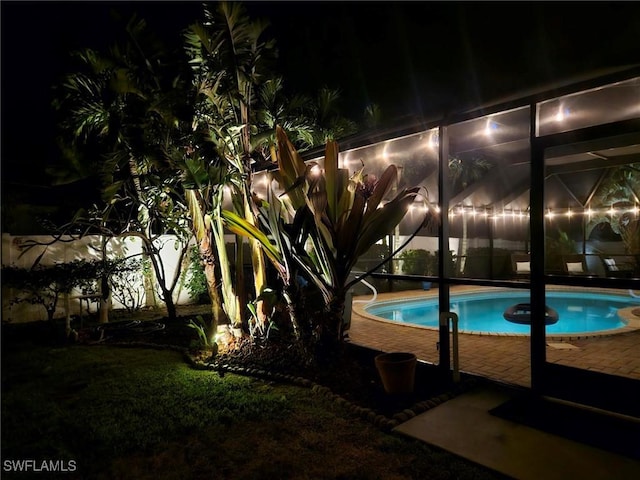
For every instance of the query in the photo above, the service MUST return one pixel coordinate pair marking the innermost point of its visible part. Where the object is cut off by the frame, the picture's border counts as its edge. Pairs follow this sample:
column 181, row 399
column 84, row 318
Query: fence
column 68, row 250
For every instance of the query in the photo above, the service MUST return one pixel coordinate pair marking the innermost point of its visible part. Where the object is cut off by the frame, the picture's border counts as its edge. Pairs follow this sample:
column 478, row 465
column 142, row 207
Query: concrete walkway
column 465, row 427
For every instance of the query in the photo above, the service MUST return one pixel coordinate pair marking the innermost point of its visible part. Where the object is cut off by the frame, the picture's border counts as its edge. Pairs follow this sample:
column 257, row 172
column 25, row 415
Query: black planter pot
column 397, row 371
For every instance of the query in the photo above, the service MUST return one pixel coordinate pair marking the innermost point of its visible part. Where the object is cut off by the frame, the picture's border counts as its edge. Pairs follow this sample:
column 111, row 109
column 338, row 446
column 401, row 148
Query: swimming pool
column 579, row 312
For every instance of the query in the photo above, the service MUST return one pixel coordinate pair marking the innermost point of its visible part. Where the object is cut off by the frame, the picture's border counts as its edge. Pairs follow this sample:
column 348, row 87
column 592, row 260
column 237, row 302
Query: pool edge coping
column 633, row 321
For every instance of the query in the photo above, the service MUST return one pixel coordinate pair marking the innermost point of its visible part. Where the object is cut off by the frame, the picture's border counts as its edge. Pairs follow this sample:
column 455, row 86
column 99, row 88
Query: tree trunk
column 67, row 311
column 143, row 216
column 148, row 280
column 463, row 245
column 169, row 303
column 202, row 230
column 105, row 291
column 105, row 300
column 168, row 291
column 293, row 316
column 331, row 333
column 153, row 256
column 51, row 311
column 208, row 260
column 240, row 289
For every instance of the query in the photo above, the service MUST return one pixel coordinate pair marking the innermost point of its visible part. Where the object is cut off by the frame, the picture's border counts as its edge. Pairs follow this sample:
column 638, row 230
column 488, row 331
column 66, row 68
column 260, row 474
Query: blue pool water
column 483, row 312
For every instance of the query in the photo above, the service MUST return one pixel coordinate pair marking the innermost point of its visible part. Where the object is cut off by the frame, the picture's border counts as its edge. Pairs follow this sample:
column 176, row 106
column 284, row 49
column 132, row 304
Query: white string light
column 473, row 211
column 434, row 140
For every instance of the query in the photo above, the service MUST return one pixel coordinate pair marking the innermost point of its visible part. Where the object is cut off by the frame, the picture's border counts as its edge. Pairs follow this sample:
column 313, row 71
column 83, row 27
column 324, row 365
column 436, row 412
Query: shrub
column 124, row 281
column 418, row 262
column 43, row 285
column 195, row 280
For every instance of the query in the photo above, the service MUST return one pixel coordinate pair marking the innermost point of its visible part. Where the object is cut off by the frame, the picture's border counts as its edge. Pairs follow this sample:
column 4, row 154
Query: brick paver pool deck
column 498, row 357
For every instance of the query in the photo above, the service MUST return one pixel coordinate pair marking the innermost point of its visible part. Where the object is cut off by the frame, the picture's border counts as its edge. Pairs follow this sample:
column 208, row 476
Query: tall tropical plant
column 290, row 112
column 330, row 123
column 204, row 183
column 238, row 103
column 324, row 221
column 309, row 121
column 614, row 203
column 227, row 53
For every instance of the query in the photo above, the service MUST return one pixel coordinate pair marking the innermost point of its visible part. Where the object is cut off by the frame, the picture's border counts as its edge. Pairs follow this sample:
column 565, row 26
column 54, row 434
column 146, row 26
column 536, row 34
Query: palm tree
column 120, row 108
column 239, row 103
column 372, row 116
column 227, row 54
column 462, row 173
column 292, row 113
column 330, row 123
column 615, row 198
column 308, row 121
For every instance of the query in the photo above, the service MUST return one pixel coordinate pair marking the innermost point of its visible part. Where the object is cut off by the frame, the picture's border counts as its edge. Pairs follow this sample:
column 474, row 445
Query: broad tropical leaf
column 240, row 226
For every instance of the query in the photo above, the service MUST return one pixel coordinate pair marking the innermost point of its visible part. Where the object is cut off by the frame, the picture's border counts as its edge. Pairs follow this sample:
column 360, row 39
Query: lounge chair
column 615, row 266
column 521, row 265
column 575, row 264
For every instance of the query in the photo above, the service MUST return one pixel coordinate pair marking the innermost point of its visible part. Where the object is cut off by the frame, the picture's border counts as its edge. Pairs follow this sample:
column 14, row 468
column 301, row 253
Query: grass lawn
column 143, row 413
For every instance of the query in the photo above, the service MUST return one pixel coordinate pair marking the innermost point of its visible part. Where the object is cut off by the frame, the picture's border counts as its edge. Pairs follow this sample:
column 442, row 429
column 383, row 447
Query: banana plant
column 323, row 222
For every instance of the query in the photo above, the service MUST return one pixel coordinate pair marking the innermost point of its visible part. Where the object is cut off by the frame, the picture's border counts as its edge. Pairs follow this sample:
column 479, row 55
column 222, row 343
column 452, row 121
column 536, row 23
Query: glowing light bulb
column 434, row 140
column 562, row 114
column 316, row 170
column 386, row 155
column 490, row 128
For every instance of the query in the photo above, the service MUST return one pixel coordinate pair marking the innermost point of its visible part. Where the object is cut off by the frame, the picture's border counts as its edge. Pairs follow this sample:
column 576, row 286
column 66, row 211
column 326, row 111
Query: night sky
column 414, row 59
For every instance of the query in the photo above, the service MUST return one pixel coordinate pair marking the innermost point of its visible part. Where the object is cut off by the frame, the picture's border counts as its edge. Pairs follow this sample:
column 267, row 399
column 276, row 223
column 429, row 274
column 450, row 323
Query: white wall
column 67, row 250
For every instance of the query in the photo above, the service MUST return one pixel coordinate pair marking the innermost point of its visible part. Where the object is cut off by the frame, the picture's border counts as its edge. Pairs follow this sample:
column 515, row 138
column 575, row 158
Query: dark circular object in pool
column 521, row 313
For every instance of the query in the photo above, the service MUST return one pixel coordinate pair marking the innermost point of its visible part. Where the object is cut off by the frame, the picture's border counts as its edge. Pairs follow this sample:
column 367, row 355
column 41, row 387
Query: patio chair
column 521, row 265
column 617, row 267
column 575, row 264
